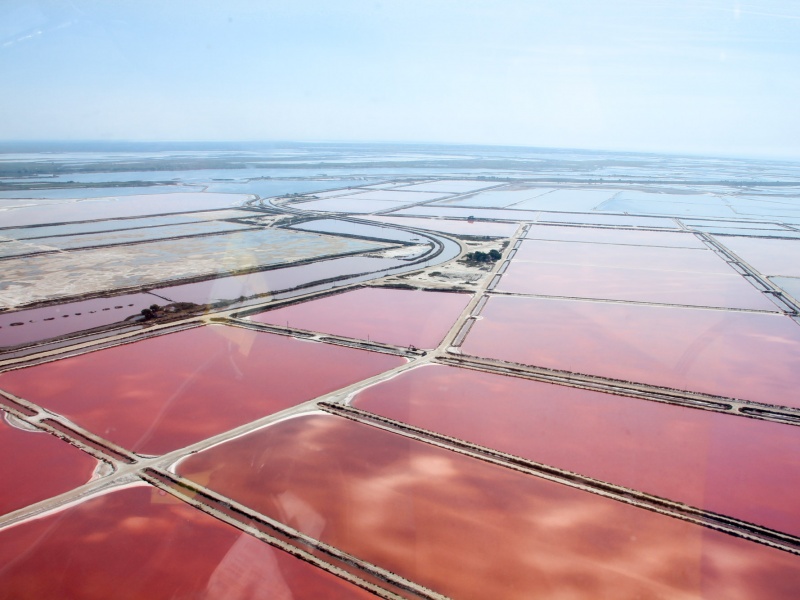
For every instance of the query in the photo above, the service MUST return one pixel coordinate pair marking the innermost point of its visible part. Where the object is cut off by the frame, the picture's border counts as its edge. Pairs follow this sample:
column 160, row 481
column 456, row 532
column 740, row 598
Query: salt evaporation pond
column 466, row 528
column 169, row 391
column 139, row 542
column 596, row 235
column 37, row 466
column 47, row 322
column 111, row 238
column 274, row 280
column 727, row 464
column 110, row 207
column 400, row 317
column 746, row 355
column 635, row 285
column 477, row 228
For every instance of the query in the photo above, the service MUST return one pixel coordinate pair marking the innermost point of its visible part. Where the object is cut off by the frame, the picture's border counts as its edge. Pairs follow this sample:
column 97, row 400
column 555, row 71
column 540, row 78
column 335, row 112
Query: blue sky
column 718, row 77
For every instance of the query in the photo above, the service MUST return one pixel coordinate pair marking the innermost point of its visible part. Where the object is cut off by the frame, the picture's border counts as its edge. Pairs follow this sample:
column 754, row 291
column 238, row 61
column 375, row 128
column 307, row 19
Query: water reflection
column 731, row 465
column 466, row 528
column 140, row 543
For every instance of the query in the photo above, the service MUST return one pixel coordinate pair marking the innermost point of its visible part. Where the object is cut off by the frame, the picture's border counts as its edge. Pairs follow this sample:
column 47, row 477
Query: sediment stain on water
column 735, row 466
column 466, row 528
column 172, row 390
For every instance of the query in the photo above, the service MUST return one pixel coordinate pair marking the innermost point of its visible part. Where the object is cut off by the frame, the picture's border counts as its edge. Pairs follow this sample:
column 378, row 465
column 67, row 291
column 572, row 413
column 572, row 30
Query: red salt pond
column 731, row 465
column 621, row 256
column 37, row 466
column 169, row 391
column 139, row 542
column 614, row 236
column 36, row 324
column 466, row 528
column 641, row 285
column 752, row 356
column 400, row 317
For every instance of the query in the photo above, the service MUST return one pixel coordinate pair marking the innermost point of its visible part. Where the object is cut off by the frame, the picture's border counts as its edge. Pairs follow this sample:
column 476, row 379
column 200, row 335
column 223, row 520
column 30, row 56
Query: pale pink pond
column 614, row 236
column 641, row 285
column 622, row 256
column 391, row 316
column 731, row 465
column 751, row 356
column 467, row 528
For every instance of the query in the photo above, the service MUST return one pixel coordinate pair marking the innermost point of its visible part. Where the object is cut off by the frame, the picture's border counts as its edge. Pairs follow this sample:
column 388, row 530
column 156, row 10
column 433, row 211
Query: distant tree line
column 485, row 257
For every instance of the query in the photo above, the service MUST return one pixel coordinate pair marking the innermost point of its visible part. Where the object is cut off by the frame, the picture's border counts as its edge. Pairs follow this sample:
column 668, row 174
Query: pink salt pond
column 751, row 356
column 615, row 236
column 399, row 317
column 166, row 392
column 37, row 466
column 731, row 465
column 638, row 285
column 466, row 528
column 138, row 542
column 623, row 256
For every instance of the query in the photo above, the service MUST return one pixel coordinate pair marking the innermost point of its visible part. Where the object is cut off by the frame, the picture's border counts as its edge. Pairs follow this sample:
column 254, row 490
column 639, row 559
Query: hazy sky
column 675, row 75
